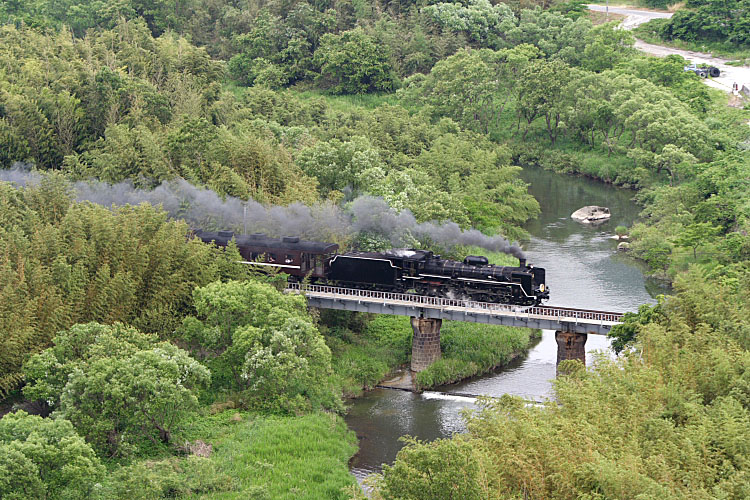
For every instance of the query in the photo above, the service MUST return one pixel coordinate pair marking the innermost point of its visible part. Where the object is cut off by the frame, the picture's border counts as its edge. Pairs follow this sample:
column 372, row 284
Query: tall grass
column 272, row 457
column 472, row 349
column 348, row 102
column 363, row 358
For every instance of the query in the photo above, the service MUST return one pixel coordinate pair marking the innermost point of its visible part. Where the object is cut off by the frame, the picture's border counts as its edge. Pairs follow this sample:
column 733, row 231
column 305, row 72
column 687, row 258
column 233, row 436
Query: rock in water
column 591, row 214
column 623, row 247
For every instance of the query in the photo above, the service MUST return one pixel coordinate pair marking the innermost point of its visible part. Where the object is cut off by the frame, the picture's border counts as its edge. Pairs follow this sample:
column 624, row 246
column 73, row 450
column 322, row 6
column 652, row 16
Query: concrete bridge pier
column 425, row 345
column 571, row 345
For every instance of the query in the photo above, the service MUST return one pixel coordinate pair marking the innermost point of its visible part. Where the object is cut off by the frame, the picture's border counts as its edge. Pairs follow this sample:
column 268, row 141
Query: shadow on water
column 583, row 270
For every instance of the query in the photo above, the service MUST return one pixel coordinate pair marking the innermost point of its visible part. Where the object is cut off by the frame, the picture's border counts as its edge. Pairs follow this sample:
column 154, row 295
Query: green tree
column 540, row 93
column 45, row 459
column 353, row 63
column 118, row 401
column 606, row 45
column 696, row 235
column 116, row 385
column 485, row 24
column 264, row 343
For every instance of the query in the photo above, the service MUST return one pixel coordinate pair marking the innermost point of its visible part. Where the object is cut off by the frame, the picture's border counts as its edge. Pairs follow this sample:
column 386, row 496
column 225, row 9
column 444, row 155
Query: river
column 583, row 270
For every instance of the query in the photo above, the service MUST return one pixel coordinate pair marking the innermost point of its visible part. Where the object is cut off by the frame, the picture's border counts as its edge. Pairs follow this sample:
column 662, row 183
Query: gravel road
column 633, row 17
column 729, row 74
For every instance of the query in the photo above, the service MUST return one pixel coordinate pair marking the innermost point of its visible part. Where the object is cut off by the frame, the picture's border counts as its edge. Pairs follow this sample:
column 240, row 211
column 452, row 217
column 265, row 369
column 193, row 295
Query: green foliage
column 471, row 349
column 168, row 478
column 45, row 458
column 137, row 99
column 669, row 420
column 442, row 469
column 484, row 24
column 365, row 349
column 117, row 401
column 610, row 111
column 262, row 342
column 293, row 457
column 339, row 165
column 67, row 263
column 711, row 20
column 353, row 63
column 48, row 372
column 116, row 385
column 625, row 334
column 392, row 331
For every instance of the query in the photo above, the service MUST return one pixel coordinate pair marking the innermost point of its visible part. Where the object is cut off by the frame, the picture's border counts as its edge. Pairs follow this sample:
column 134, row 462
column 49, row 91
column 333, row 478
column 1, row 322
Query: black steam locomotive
column 398, row 270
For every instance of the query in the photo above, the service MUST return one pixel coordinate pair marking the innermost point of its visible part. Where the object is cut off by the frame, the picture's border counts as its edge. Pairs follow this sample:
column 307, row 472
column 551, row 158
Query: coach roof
column 262, row 241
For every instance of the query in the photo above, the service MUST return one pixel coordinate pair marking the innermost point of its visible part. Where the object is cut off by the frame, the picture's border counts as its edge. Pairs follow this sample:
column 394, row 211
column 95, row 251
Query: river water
column 583, row 270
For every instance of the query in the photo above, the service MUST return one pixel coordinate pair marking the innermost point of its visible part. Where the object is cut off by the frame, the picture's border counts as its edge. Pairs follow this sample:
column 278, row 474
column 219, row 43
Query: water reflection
column 384, row 415
column 583, row 270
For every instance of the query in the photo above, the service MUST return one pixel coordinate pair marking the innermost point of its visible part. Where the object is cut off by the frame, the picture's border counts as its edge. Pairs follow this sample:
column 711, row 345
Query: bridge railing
column 562, row 313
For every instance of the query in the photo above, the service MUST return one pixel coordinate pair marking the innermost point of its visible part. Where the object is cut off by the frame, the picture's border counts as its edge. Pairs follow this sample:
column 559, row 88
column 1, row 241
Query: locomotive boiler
column 399, row 270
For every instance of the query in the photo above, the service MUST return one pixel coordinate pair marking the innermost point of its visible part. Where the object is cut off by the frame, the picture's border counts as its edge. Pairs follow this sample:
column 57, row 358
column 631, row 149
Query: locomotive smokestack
column 522, row 262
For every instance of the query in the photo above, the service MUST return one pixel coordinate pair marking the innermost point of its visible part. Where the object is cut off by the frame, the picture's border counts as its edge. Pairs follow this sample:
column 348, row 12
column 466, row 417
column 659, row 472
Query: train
column 412, row 271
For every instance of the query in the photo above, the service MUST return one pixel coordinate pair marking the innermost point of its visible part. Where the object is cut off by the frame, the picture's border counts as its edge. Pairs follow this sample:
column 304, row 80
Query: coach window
column 289, row 259
column 318, row 264
column 271, row 257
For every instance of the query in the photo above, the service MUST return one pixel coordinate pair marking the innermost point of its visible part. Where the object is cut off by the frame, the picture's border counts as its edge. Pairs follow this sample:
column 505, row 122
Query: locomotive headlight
column 541, row 287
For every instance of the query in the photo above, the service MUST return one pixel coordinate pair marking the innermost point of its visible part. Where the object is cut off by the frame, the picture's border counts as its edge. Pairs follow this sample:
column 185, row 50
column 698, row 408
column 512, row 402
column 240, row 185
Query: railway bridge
column 572, row 326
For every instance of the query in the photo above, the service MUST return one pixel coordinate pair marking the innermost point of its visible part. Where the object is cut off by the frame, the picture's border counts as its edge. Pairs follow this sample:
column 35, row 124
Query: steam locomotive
column 399, row 270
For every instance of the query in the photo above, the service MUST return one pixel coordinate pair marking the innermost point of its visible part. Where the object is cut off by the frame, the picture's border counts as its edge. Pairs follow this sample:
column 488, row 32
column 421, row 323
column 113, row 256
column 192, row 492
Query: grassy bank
column 361, row 360
column 282, row 457
column 234, row 455
column 470, row 349
column 365, row 348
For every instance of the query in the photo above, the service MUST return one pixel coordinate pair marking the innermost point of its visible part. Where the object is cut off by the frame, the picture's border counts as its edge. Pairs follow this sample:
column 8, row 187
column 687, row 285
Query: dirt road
column 729, row 74
column 633, row 17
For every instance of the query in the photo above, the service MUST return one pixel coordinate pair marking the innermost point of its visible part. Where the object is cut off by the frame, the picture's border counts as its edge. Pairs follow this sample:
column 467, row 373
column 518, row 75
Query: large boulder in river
column 591, row 214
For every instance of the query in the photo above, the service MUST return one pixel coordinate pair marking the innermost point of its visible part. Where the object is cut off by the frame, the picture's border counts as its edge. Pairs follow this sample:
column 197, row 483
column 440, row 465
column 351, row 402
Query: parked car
column 703, row 71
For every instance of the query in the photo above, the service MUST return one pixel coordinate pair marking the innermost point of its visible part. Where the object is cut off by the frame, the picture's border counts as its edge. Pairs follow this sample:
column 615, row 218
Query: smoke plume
column 203, row 208
column 374, row 215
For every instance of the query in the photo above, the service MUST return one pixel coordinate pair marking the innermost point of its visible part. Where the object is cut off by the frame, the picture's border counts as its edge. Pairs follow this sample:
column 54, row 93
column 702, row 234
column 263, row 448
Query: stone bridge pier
column 425, row 345
column 571, row 345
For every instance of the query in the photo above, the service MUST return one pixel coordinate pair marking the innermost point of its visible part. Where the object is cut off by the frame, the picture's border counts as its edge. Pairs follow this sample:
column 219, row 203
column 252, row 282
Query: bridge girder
column 342, row 301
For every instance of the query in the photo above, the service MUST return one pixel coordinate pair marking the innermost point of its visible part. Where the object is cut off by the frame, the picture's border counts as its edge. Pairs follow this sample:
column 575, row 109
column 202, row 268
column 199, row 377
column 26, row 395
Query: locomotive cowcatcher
column 399, row 270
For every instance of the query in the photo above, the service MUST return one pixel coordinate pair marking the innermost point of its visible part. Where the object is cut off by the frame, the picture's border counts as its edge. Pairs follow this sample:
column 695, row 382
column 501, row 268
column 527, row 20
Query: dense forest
column 159, row 367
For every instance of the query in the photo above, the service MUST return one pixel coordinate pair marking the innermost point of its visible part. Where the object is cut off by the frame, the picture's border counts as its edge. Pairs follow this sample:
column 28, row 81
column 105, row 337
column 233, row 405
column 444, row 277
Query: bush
column 117, row 385
column 263, row 342
column 391, row 331
column 443, row 469
column 165, row 479
column 45, row 458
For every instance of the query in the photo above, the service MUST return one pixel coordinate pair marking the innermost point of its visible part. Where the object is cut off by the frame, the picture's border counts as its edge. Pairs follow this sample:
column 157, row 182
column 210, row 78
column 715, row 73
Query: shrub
column 165, row 479
column 45, row 458
column 116, row 385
